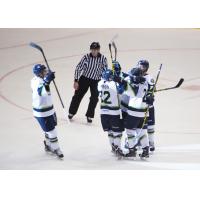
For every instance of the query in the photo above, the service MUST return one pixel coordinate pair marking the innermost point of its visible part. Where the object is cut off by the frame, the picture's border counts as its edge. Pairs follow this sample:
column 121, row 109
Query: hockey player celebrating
column 110, row 110
column 144, row 65
column 128, row 83
column 43, row 109
column 135, row 121
column 135, row 101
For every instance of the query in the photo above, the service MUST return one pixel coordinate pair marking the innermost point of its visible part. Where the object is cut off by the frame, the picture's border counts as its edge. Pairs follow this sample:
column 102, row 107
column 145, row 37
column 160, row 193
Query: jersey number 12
column 106, row 97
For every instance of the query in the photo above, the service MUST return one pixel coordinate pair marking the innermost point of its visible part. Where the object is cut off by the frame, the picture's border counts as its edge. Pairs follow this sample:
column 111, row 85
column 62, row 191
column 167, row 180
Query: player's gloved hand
column 49, row 77
column 150, row 99
column 138, row 79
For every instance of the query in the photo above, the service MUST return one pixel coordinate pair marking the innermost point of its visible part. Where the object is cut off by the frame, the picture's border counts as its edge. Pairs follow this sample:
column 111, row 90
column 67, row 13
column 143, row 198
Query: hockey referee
column 87, row 75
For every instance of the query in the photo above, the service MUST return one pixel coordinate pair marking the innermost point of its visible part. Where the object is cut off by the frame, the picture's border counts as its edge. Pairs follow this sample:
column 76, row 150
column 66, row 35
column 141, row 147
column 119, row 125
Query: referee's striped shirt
column 91, row 67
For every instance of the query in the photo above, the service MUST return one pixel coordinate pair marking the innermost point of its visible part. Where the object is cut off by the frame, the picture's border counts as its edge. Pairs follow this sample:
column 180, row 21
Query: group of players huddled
column 127, row 108
column 125, row 100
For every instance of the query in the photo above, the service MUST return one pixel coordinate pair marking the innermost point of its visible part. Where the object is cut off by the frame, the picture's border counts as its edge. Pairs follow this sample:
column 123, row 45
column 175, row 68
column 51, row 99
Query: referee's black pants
column 84, row 85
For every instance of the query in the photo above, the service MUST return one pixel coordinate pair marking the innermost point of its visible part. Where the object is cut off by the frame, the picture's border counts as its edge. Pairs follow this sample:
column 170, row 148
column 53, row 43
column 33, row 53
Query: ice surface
column 86, row 146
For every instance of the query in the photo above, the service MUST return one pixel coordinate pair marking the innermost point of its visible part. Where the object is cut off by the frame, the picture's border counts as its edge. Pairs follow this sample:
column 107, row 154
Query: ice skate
column 152, row 148
column 89, row 120
column 132, row 153
column 46, row 147
column 70, row 116
column 119, row 153
column 145, row 153
column 113, row 149
column 58, row 153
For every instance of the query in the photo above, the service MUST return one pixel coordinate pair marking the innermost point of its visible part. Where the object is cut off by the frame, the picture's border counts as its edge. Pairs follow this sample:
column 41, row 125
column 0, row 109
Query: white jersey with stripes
column 110, row 104
column 41, row 98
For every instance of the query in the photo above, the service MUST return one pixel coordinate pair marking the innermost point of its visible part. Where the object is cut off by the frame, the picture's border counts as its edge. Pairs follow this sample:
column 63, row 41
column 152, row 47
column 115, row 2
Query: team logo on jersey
column 152, row 80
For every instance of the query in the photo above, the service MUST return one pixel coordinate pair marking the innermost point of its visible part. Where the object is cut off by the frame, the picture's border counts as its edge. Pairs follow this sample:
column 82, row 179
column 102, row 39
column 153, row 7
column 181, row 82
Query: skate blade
column 60, row 158
column 130, row 158
column 51, row 153
column 119, row 157
column 151, row 152
column 144, row 158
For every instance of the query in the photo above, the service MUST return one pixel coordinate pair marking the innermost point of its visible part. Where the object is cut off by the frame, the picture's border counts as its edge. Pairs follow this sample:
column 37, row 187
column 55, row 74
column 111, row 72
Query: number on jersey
column 106, row 97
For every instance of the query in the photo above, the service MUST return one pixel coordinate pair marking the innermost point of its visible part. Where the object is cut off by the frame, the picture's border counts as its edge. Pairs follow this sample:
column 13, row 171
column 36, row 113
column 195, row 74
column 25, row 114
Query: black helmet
column 144, row 63
column 95, row 45
column 136, row 71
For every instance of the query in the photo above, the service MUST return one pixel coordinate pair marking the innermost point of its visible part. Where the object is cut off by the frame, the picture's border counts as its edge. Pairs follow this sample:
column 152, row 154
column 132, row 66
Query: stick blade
column 34, row 45
column 114, row 37
column 114, row 45
column 180, row 82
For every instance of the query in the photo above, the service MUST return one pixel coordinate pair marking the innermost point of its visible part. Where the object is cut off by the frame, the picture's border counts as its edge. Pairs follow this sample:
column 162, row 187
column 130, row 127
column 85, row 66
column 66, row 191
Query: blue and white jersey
column 110, row 104
column 132, row 100
column 130, row 91
column 41, row 98
column 136, row 105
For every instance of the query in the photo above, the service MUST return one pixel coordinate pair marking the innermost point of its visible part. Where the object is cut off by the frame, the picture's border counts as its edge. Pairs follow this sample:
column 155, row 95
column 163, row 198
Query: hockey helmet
column 38, row 69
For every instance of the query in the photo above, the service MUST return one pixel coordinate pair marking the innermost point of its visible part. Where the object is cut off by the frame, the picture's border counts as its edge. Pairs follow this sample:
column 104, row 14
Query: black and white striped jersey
column 91, row 67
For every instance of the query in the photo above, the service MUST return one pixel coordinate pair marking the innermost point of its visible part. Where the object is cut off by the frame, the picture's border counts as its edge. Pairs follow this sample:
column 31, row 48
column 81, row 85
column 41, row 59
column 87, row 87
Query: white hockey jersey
column 136, row 106
column 132, row 101
column 130, row 91
column 110, row 104
column 41, row 98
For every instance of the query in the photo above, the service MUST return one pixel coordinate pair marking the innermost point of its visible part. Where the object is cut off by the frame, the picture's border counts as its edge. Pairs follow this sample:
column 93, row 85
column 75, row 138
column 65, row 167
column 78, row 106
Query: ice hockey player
column 136, row 103
column 127, row 85
column 144, row 65
column 43, row 109
column 110, row 110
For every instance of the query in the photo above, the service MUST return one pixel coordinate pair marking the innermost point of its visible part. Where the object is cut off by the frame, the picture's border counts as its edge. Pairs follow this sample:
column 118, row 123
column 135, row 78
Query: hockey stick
column 115, row 47
column 157, row 77
column 110, row 49
column 147, row 110
column 112, row 44
column 170, row 88
column 153, row 90
column 34, row 45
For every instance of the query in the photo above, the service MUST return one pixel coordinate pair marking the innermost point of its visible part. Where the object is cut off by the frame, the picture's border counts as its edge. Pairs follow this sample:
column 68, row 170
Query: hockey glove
column 49, row 77
column 149, row 99
column 138, row 79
